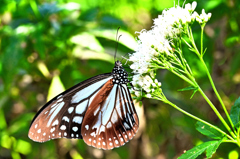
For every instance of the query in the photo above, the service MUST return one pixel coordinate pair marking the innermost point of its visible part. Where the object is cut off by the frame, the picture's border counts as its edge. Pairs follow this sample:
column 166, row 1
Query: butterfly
column 99, row 110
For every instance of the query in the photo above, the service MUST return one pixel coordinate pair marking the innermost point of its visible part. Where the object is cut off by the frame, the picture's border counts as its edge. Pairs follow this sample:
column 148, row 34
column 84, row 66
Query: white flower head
column 203, row 17
column 156, row 46
column 148, row 96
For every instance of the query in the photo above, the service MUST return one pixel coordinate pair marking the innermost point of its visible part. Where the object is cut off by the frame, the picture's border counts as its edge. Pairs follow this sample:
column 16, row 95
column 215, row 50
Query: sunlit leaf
column 87, row 40
column 235, row 113
column 3, row 123
column 55, row 88
column 208, row 131
column 43, row 69
column 126, row 39
column 23, row 147
column 213, row 147
column 82, row 54
column 193, row 153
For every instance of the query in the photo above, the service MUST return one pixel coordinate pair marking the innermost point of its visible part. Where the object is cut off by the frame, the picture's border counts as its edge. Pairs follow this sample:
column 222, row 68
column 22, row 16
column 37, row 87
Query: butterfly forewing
column 63, row 115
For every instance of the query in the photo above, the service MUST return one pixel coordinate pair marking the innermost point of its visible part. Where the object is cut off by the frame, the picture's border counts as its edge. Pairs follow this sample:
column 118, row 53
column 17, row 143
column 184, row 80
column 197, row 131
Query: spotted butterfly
column 99, row 110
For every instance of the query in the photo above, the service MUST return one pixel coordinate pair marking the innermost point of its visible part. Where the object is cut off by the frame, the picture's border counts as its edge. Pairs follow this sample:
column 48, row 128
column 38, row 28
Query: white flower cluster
column 203, row 18
column 158, row 41
column 147, row 83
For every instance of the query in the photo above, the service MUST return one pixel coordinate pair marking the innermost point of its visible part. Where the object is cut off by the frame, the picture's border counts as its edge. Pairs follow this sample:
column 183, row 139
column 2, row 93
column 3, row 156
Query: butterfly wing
column 63, row 115
column 111, row 119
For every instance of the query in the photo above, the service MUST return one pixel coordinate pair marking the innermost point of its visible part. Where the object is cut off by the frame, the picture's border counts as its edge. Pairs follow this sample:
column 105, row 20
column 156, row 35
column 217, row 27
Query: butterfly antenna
column 117, row 41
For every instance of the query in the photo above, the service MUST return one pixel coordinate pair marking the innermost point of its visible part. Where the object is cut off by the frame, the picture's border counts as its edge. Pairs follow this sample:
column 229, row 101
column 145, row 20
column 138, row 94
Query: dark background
column 46, row 46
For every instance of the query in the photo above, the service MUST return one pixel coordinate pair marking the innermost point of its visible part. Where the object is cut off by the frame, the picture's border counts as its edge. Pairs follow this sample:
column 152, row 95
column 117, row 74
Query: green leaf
column 55, row 87
column 188, row 88
column 213, row 147
column 208, row 131
column 210, row 146
column 193, row 93
column 204, row 52
column 235, row 113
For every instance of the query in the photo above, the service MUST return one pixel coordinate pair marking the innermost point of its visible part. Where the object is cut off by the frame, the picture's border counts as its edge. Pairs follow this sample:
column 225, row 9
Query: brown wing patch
column 112, row 120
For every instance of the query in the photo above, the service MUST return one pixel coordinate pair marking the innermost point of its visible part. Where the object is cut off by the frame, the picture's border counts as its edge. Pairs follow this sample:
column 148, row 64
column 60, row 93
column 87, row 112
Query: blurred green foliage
column 46, row 46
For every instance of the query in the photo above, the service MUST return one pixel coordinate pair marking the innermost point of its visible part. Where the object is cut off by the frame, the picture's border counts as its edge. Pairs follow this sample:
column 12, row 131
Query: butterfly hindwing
column 63, row 115
column 113, row 122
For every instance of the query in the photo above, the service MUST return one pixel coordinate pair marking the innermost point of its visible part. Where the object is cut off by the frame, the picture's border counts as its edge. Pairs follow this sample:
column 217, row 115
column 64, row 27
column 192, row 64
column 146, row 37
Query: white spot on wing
column 114, row 118
column 92, row 134
column 77, row 119
column 55, row 122
column 87, row 127
column 52, row 130
column 116, row 141
column 39, row 131
column 102, row 129
column 63, row 127
column 65, row 118
column 80, row 108
column 75, row 128
column 59, row 96
column 36, row 126
column 70, row 110
column 109, row 125
column 59, row 100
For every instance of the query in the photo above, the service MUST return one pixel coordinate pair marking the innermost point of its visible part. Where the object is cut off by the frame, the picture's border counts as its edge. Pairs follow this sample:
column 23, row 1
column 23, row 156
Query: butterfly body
column 99, row 110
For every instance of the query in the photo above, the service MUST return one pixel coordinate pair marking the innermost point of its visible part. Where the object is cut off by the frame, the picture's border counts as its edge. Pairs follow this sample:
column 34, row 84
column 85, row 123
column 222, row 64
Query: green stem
column 216, row 92
column 193, row 83
column 210, row 79
column 201, row 40
column 196, row 118
column 217, row 112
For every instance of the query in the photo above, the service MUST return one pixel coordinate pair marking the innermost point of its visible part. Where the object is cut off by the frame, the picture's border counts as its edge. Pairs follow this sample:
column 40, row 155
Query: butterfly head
column 120, row 76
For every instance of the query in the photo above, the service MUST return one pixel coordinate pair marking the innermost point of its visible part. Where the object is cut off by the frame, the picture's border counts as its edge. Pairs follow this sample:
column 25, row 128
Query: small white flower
column 154, row 85
column 148, row 96
column 194, row 5
column 203, row 17
column 137, row 93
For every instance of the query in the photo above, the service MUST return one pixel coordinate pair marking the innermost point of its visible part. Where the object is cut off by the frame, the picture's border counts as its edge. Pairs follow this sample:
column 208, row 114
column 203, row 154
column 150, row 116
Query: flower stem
column 211, row 81
column 216, row 92
column 196, row 118
column 200, row 55
column 217, row 112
